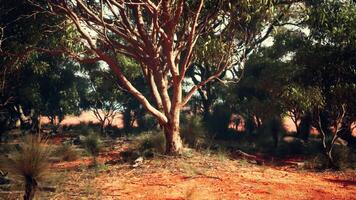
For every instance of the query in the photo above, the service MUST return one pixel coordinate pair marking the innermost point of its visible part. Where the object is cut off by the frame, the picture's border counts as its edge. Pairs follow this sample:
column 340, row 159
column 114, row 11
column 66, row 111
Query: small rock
column 137, row 162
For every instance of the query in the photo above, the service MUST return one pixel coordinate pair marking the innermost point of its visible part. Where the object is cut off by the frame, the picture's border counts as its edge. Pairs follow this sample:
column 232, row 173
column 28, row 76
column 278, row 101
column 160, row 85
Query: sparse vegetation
column 194, row 134
column 67, row 152
column 177, row 99
column 151, row 142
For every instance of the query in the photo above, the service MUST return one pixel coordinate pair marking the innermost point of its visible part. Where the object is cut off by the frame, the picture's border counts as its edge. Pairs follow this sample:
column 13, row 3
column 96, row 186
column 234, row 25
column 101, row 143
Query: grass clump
column 67, row 152
column 29, row 162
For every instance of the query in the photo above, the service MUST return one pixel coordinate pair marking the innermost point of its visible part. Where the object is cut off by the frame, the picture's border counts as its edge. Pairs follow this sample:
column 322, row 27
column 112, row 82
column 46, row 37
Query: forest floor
column 195, row 175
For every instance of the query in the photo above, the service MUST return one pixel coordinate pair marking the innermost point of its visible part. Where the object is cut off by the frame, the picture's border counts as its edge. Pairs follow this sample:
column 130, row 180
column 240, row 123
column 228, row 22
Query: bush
column 147, row 122
column 30, row 162
column 151, row 141
column 85, row 128
column 67, row 152
column 344, row 157
column 92, row 143
column 193, row 132
column 219, row 120
column 291, row 146
column 318, row 162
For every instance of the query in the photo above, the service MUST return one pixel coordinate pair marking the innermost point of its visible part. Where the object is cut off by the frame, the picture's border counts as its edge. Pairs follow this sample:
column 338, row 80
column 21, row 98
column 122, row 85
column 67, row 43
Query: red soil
column 200, row 177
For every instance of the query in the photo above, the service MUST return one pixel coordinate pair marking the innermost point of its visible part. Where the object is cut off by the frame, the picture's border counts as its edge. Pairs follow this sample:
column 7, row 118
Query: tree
column 252, row 23
column 160, row 36
column 332, row 50
column 104, row 97
column 23, row 30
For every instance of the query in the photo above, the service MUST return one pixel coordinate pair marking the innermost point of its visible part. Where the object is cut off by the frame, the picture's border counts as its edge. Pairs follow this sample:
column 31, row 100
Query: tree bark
column 174, row 145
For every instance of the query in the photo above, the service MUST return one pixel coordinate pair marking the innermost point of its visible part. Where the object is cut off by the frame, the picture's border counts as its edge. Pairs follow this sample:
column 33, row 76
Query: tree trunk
column 206, row 110
column 102, row 128
column 174, row 145
column 30, row 188
column 127, row 120
column 329, row 152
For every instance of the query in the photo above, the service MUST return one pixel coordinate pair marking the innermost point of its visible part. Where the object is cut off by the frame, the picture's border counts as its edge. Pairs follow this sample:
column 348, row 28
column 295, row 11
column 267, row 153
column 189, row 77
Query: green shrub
column 193, row 132
column 151, row 141
column 30, row 162
column 93, row 144
column 219, row 121
column 67, row 152
column 291, row 146
column 147, row 122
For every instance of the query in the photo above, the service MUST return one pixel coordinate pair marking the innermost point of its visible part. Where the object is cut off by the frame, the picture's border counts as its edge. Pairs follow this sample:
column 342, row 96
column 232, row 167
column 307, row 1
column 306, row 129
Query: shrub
column 92, row 143
column 318, row 162
column 151, row 141
column 291, row 146
column 67, row 152
column 193, row 132
column 30, row 162
column 219, row 120
column 344, row 157
column 146, row 122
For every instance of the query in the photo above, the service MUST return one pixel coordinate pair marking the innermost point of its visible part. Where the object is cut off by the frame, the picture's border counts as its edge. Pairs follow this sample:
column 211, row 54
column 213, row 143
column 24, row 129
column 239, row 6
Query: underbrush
column 93, row 144
column 344, row 159
column 193, row 133
column 150, row 143
column 66, row 152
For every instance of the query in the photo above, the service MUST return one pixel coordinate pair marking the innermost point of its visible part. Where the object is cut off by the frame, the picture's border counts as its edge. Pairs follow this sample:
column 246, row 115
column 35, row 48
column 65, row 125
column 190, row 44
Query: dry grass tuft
column 29, row 162
column 30, row 159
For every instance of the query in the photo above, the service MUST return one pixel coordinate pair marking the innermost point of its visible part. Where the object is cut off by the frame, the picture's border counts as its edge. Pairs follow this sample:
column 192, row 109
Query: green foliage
column 146, row 122
column 219, row 120
column 333, row 22
column 304, row 99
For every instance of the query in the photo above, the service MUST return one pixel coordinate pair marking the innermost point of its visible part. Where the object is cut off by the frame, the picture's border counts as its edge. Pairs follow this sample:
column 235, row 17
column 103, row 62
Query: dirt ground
column 196, row 176
column 193, row 176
